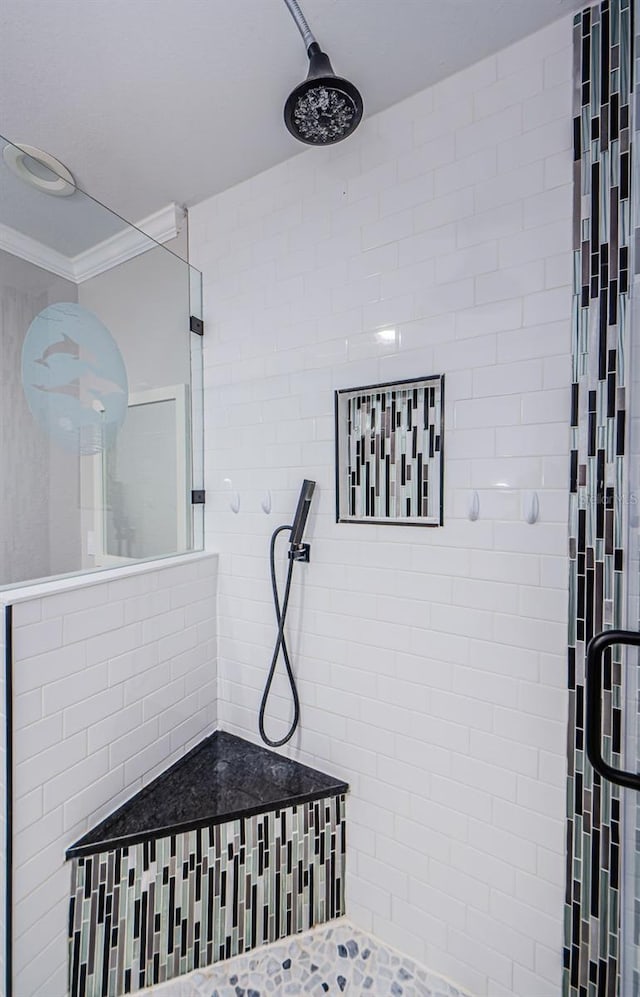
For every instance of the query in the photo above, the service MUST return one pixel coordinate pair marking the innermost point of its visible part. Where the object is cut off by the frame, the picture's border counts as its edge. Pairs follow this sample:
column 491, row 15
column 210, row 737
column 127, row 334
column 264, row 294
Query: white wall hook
column 474, row 507
column 265, row 503
column 234, row 497
column 531, row 507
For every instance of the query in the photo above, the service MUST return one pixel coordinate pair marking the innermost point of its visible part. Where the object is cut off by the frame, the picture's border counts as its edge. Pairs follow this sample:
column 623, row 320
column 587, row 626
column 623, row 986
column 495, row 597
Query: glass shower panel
column 197, row 405
column 630, row 893
column 630, row 934
column 142, row 488
column 101, row 385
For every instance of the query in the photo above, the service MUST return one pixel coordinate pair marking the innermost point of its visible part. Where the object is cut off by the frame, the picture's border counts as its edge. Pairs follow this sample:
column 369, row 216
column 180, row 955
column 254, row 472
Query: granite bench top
column 223, row 778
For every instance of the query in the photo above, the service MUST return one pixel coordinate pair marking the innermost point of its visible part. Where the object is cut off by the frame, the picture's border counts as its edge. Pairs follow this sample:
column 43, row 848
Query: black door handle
column 595, row 649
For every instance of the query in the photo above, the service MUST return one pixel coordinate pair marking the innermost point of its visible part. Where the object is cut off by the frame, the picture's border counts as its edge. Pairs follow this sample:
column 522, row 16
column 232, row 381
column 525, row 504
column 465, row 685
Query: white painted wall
column 39, row 486
column 431, row 662
column 114, row 679
column 144, row 304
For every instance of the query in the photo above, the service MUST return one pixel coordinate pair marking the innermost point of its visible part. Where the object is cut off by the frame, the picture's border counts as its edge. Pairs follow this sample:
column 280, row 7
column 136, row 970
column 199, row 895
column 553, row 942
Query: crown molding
column 160, row 227
column 14, row 242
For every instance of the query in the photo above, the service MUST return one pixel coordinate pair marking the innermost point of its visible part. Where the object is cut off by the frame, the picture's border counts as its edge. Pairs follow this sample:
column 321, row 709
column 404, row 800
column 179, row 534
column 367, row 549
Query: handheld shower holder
column 300, row 552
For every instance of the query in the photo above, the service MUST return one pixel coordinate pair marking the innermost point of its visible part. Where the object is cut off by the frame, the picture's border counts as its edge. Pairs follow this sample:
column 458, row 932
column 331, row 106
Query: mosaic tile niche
column 149, row 912
column 603, row 168
column 389, row 453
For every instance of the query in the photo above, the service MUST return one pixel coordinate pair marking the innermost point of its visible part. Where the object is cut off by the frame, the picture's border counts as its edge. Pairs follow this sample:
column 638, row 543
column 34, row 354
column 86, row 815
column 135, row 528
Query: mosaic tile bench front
column 144, row 913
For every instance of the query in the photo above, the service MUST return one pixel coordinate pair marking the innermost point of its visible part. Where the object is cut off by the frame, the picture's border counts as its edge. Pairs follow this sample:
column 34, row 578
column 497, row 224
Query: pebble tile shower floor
column 335, row 959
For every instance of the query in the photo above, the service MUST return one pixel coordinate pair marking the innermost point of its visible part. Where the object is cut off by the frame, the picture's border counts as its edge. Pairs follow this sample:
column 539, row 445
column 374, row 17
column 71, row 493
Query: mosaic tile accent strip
column 603, row 74
column 389, row 452
column 146, row 913
column 631, row 801
column 335, row 959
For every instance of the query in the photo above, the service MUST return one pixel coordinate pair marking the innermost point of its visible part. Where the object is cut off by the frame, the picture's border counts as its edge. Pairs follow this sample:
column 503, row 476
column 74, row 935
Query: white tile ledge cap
column 68, row 584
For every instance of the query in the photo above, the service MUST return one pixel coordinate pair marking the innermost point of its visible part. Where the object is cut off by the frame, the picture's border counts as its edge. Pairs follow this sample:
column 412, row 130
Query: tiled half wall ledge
column 234, row 846
column 110, row 679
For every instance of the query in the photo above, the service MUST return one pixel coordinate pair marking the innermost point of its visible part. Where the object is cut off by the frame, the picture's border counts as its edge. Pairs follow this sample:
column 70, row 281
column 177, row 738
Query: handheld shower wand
column 298, row 551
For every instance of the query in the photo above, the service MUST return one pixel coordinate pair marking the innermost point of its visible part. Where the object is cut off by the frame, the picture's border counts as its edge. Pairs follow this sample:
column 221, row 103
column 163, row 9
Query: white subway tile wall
column 112, row 683
column 431, row 662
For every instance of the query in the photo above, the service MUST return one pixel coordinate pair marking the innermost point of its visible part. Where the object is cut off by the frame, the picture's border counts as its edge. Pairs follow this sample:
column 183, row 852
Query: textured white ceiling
column 152, row 101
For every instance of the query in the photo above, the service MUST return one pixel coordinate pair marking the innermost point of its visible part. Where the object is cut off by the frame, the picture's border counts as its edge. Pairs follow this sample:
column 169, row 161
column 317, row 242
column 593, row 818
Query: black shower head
column 324, row 108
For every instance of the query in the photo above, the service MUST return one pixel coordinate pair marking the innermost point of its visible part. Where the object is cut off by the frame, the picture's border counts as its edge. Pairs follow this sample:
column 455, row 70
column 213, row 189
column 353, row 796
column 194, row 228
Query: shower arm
column 301, row 23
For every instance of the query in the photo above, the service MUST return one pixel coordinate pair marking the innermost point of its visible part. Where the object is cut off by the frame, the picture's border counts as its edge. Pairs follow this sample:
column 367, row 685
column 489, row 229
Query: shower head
column 302, row 511
column 324, row 108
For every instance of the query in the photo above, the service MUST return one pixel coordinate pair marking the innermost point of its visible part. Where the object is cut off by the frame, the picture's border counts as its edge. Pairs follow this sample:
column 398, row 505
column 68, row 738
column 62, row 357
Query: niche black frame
column 405, row 384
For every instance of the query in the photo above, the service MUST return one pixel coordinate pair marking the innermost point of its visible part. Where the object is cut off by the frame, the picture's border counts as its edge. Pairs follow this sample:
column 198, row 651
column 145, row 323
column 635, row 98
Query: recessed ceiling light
column 39, row 169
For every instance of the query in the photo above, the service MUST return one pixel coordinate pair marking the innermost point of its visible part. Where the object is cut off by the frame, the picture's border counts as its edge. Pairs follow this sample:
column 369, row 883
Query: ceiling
column 153, row 101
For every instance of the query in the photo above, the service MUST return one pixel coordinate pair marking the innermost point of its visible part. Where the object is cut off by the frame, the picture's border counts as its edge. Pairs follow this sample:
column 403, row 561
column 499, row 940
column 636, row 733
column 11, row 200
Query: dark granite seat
column 221, row 779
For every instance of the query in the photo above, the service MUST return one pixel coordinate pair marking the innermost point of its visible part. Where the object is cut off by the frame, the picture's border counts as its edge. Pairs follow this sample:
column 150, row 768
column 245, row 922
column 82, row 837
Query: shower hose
column 281, row 645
